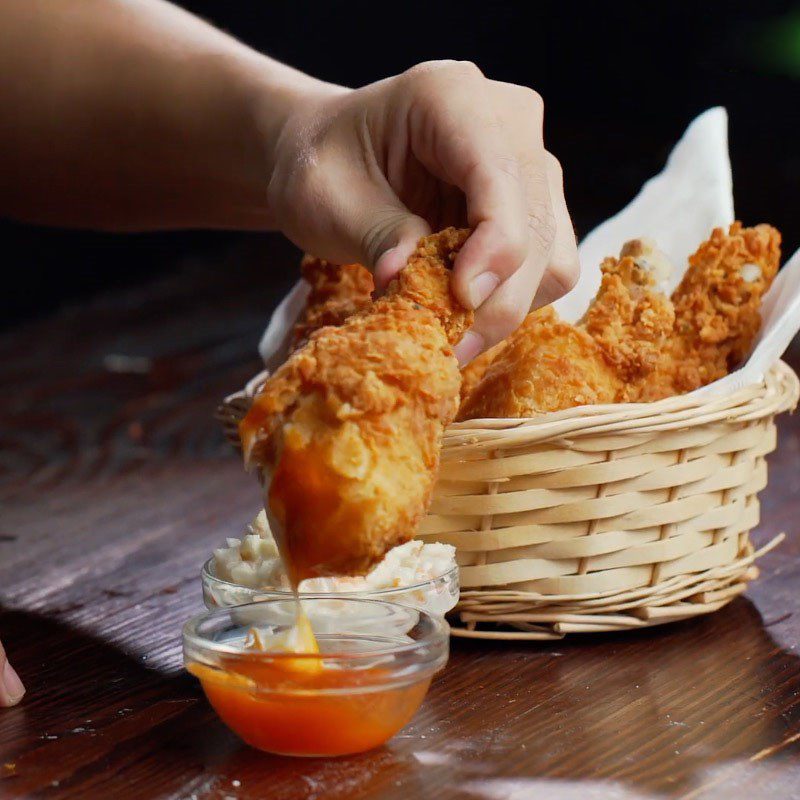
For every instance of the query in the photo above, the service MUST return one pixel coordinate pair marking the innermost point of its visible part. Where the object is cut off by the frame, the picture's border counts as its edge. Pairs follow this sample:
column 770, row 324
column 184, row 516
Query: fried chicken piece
column 472, row 373
column 651, row 347
column 629, row 318
column 337, row 292
column 347, row 432
column 546, row 365
column 550, row 365
column 716, row 310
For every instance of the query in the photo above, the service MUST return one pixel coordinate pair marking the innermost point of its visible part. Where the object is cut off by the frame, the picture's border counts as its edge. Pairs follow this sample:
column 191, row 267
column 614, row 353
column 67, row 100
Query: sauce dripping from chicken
column 300, row 637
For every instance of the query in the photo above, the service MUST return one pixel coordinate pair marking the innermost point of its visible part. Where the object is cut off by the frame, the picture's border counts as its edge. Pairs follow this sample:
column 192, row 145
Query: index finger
column 460, row 138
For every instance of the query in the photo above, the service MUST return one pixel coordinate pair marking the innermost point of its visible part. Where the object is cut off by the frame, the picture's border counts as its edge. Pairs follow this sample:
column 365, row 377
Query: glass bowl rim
column 208, row 576
column 440, row 632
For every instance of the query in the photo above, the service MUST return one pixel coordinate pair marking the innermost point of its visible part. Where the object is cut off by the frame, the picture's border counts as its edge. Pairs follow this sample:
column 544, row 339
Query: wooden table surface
column 116, row 485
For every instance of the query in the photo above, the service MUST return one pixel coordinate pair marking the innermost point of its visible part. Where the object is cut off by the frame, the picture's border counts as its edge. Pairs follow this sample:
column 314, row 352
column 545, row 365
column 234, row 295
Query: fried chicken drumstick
column 347, row 433
column 630, row 319
column 546, row 365
column 717, row 312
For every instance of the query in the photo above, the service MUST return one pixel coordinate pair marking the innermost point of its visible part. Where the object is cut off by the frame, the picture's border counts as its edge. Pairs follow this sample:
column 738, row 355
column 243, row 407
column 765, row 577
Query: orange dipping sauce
column 309, row 712
column 371, row 673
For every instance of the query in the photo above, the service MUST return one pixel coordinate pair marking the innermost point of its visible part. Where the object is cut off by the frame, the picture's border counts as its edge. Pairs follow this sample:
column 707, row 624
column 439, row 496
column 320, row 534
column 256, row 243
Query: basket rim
column 777, row 391
column 780, row 371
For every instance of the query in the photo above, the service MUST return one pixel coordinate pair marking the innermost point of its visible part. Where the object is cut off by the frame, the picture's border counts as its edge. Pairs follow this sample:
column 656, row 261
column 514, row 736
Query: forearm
column 135, row 115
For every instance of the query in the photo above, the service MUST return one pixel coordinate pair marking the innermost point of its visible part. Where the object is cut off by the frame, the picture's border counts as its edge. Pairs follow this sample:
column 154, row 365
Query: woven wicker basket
column 600, row 518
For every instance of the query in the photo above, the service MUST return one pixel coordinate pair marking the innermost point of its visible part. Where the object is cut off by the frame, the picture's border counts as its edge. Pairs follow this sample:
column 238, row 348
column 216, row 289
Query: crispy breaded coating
column 646, row 346
column 472, row 373
column 717, row 310
column 629, row 318
column 347, row 432
column 546, row 365
column 425, row 280
column 337, row 292
column 550, row 365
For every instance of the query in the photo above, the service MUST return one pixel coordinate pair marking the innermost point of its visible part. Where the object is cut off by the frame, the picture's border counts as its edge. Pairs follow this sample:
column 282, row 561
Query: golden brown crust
column 717, row 310
column 546, row 365
column 425, row 280
column 472, row 373
column 337, row 291
column 635, row 344
column 629, row 319
column 549, row 365
column 349, row 428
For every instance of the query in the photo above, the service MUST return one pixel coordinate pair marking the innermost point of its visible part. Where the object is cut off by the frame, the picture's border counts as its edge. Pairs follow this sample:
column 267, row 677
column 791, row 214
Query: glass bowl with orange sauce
column 375, row 665
column 436, row 595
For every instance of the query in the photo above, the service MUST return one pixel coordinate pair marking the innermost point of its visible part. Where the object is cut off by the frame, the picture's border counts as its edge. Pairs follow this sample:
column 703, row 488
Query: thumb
column 381, row 231
column 339, row 211
column 388, row 236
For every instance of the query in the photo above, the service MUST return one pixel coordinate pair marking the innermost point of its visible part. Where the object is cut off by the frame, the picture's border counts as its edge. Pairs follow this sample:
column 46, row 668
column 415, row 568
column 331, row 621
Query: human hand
column 361, row 175
column 11, row 688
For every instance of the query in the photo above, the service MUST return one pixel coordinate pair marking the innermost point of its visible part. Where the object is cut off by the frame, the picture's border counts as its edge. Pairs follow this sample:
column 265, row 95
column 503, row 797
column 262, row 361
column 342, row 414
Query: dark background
column 620, row 82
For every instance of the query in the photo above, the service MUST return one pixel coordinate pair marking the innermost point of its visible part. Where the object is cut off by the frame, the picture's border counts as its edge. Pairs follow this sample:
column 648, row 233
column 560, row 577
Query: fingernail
column 12, row 684
column 385, row 256
column 386, row 268
column 469, row 347
column 481, row 287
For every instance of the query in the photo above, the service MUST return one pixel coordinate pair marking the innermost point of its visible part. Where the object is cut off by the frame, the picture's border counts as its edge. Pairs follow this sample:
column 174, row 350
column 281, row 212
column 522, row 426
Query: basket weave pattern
column 601, row 517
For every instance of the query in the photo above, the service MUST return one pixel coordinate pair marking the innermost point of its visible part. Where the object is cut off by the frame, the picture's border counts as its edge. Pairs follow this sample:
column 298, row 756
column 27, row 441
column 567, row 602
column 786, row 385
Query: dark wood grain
column 116, row 484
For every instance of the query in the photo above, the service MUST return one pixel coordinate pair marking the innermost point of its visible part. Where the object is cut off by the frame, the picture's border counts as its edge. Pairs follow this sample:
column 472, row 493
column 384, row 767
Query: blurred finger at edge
column 11, row 688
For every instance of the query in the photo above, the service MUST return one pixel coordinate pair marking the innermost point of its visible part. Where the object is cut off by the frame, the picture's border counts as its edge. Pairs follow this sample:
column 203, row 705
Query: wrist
column 277, row 101
column 248, row 99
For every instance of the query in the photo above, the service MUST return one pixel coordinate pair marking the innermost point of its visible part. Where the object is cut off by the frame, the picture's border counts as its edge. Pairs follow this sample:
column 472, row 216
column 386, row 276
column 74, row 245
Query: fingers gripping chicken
column 347, row 432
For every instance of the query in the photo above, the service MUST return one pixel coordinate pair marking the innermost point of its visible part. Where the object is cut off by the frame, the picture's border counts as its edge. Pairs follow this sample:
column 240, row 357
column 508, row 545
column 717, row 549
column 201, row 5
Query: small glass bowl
column 372, row 672
column 436, row 595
